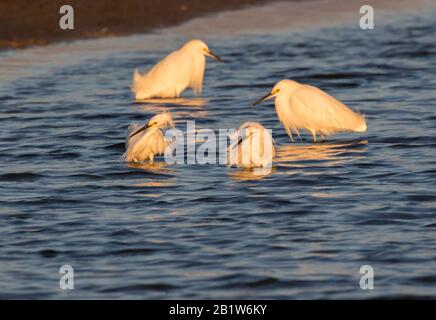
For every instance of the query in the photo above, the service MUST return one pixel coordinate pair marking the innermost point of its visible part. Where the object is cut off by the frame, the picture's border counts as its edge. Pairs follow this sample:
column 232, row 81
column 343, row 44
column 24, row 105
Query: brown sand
column 302, row 15
column 24, row 23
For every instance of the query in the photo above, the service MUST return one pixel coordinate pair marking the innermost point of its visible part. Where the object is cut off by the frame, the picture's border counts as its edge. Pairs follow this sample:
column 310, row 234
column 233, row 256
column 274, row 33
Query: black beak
column 239, row 142
column 242, row 139
column 213, row 55
column 265, row 97
column 140, row 130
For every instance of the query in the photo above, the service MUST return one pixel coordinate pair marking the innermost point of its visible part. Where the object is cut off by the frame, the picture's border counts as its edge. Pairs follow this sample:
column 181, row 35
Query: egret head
column 282, row 87
column 162, row 120
column 198, row 46
column 248, row 130
column 251, row 128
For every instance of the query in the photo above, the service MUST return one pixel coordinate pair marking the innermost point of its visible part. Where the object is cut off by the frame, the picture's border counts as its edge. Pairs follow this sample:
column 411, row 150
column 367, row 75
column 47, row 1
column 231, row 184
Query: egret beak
column 140, row 130
column 212, row 55
column 239, row 142
column 265, row 97
column 242, row 139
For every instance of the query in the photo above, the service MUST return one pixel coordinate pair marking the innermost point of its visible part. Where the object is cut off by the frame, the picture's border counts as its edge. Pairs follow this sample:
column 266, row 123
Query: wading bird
column 252, row 146
column 300, row 106
column 179, row 70
column 143, row 143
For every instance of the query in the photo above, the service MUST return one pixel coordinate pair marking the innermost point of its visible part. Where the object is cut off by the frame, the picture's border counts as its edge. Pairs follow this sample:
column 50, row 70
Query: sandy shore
column 25, row 23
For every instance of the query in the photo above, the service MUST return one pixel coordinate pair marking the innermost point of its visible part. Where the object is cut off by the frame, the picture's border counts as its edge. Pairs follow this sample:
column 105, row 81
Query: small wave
column 20, row 176
column 48, row 253
column 421, row 197
column 140, row 287
column 131, row 251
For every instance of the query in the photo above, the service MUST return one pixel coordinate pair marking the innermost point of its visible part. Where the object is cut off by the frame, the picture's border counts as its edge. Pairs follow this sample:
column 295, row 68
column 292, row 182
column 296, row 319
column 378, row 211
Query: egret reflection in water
column 296, row 156
column 330, row 153
column 151, row 167
column 180, row 108
column 251, row 174
column 191, row 102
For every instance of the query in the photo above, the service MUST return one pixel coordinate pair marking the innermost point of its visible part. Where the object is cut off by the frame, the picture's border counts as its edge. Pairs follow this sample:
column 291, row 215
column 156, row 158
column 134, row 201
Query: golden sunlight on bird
column 301, row 106
column 181, row 69
column 144, row 143
column 251, row 146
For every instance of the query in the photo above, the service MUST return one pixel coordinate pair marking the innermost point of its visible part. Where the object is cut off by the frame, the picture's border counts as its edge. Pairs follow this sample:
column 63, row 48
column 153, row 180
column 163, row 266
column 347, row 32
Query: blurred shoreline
column 37, row 23
column 262, row 18
column 30, row 23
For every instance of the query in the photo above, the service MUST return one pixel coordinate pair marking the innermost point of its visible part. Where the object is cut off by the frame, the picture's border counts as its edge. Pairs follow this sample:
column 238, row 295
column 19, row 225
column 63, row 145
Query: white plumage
column 300, row 106
column 251, row 146
column 145, row 142
column 179, row 70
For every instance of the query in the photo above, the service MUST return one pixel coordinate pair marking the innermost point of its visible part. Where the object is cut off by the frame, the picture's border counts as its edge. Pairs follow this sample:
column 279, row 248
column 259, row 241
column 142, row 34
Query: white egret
column 301, row 106
column 143, row 143
column 251, row 146
column 179, row 70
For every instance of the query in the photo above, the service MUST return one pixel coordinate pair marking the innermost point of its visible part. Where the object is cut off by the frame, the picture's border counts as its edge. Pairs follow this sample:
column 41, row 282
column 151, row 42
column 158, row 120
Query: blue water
column 207, row 231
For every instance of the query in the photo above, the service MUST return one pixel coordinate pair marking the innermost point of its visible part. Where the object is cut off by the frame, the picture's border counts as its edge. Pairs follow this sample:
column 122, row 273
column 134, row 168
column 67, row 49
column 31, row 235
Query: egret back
column 261, row 148
column 167, row 79
column 256, row 148
column 145, row 145
column 316, row 111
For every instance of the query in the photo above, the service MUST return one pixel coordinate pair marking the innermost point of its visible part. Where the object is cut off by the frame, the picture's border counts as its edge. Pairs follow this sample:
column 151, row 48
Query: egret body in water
column 252, row 146
column 179, row 70
column 301, row 106
column 143, row 143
